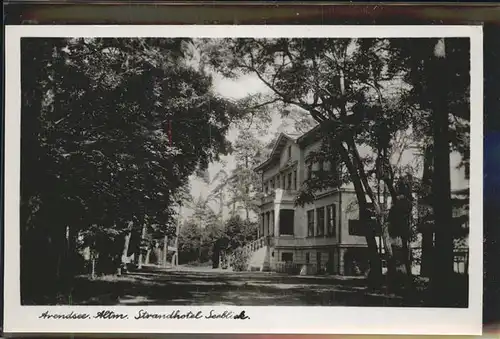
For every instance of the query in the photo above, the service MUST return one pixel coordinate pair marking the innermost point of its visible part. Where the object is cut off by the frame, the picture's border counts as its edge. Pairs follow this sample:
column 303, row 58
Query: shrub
column 240, row 260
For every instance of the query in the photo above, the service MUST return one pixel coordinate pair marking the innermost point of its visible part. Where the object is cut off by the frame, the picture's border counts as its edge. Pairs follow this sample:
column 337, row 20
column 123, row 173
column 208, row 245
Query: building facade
column 322, row 236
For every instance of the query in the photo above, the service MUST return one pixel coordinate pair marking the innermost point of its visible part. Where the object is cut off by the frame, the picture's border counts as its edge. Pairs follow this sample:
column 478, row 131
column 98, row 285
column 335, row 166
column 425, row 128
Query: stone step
column 259, row 261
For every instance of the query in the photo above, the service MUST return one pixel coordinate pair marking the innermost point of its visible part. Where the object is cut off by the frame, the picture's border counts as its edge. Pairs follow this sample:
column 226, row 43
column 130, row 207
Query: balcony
column 283, row 195
column 268, row 197
column 287, row 195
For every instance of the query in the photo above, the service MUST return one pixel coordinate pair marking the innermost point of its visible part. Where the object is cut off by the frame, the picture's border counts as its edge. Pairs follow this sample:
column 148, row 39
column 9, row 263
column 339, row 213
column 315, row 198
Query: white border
column 313, row 320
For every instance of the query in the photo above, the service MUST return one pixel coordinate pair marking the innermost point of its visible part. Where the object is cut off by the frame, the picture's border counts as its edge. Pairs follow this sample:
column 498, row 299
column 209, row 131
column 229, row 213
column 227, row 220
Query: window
column 289, row 181
column 283, row 177
column 318, row 259
column 310, row 223
column 289, row 152
column 286, row 222
column 320, row 166
column 261, row 226
column 327, row 166
column 272, row 183
column 308, row 259
column 287, row 257
column 266, row 187
column 320, row 224
column 331, row 215
column 372, row 222
column 355, row 227
column 272, row 223
column 295, row 179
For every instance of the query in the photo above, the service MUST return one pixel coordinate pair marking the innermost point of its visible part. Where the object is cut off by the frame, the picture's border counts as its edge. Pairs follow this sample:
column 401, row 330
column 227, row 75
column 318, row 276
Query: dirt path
column 214, row 287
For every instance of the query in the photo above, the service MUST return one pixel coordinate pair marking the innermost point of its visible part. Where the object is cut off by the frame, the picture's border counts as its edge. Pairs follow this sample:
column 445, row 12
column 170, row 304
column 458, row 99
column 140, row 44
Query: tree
column 361, row 92
column 189, row 242
column 238, row 232
column 244, row 183
column 218, row 193
column 339, row 82
column 209, row 228
column 439, row 71
column 111, row 130
column 299, row 120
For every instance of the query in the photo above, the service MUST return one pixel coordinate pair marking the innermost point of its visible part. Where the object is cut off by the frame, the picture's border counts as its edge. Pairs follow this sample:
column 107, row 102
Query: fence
column 460, row 260
column 295, row 268
column 254, row 245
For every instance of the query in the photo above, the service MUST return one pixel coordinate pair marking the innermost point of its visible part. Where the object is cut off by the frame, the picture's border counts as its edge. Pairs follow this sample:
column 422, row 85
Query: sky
column 233, row 89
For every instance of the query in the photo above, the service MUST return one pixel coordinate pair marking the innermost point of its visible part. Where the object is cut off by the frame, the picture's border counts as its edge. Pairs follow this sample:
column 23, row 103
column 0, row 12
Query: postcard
column 243, row 179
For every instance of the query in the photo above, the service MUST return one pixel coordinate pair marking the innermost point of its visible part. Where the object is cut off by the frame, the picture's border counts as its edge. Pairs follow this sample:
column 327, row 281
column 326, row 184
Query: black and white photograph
column 230, row 171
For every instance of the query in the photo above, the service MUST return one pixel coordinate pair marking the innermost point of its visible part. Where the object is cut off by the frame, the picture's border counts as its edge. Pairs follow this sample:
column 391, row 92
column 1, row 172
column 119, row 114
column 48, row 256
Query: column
column 276, row 220
column 266, row 224
column 261, row 226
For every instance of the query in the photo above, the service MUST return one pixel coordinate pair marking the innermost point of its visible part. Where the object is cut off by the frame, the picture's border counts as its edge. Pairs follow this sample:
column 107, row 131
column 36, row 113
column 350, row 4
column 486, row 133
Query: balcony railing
column 289, row 194
column 295, row 268
column 268, row 197
column 286, row 194
column 253, row 246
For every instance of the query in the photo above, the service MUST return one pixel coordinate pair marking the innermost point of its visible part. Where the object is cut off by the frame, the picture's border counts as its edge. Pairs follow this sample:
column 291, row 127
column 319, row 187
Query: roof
column 280, row 143
column 304, row 138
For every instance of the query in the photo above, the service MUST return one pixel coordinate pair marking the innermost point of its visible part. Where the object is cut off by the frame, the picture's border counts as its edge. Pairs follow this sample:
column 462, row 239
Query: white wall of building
column 305, row 248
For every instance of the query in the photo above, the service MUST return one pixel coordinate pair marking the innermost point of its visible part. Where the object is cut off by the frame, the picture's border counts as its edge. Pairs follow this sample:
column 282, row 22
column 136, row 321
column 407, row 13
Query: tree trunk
column 441, row 184
column 60, row 248
column 72, row 251
column 175, row 257
column 93, row 262
column 247, row 192
column 426, row 226
column 375, row 274
column 377, row 209
column 387, row 241
column 399, row 271
column 395, row 245
column 221, row 207
column 427, row 249
column 143, row 238
column 165, row 251
column 126, row 244
column 92, row 275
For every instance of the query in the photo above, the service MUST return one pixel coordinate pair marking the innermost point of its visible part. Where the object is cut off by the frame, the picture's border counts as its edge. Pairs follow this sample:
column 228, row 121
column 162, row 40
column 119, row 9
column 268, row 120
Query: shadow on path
column 219, row 288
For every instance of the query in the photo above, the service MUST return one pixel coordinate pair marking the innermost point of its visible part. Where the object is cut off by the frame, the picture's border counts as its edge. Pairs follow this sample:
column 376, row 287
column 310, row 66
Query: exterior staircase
column 259, row 253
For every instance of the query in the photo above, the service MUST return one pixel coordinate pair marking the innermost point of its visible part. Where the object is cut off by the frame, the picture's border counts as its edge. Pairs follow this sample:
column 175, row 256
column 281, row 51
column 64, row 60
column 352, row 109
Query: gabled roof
column 309, row 136
column 280, row 143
